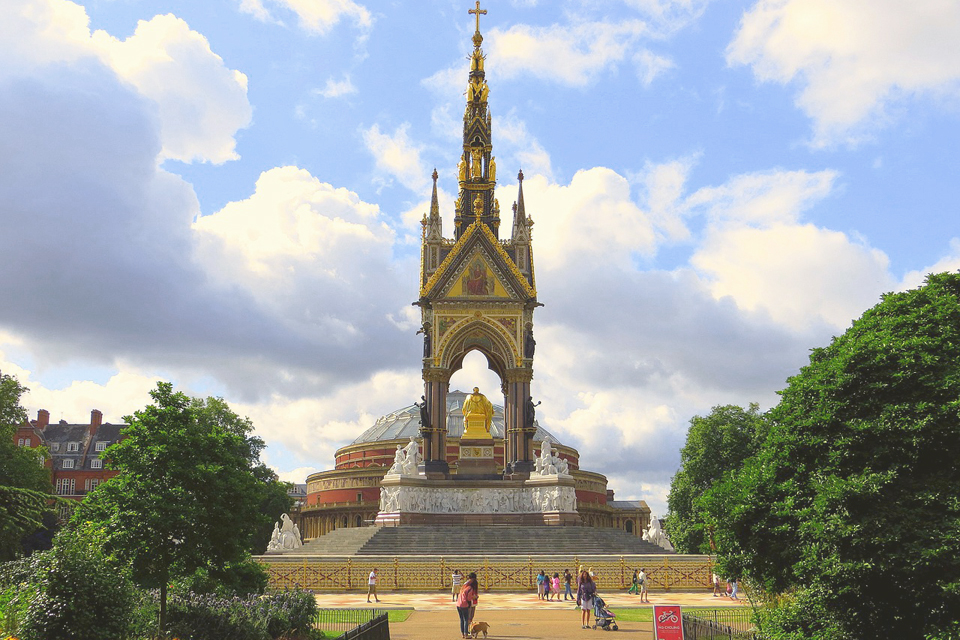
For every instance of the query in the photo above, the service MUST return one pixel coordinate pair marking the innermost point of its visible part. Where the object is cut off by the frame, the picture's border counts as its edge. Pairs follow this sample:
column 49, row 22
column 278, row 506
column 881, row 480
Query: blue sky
column 226, row 194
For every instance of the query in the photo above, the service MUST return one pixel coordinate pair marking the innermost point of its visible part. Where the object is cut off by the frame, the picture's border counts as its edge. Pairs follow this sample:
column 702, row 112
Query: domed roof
column 404, row 424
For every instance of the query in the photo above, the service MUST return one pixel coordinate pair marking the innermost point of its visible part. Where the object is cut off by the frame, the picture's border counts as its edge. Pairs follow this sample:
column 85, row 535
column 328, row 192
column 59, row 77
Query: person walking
column 735, row 586
column 372, row 585
column 567, row 579
column 585, row 594
column 455, row 581
column 716, row 585
column 634, row 588
column 555, row 587
column 466, row 599
column 642, row 584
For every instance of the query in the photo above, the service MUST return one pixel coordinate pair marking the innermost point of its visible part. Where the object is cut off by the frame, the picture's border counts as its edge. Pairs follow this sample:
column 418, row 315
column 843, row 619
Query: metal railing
column 496, row 573
column 732, row 624
column 376, row 629
column 341, row 621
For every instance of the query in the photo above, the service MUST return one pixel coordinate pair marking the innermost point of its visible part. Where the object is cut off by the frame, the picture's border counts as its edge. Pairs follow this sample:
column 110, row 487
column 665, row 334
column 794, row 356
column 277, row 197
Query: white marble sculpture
column 286, row 535
column 406, row 460
column 656, row 534
column 548, row 463
column 445, row 500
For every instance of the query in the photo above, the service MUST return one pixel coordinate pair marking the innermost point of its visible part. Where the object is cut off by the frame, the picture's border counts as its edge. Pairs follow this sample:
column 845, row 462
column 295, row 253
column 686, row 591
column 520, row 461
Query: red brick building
column 75, row 462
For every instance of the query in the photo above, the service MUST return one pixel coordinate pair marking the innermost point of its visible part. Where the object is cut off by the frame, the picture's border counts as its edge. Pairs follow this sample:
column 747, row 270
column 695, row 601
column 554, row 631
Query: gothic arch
column 483, row 335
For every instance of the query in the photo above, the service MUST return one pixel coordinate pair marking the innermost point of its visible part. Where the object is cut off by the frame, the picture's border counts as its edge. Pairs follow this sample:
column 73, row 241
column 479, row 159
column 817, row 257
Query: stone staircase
column 340, row 542
column 492, row 540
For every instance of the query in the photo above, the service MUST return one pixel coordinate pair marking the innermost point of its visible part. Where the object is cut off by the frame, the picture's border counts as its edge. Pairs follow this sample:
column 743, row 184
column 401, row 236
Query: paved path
column 513, row 616
column 509, row 625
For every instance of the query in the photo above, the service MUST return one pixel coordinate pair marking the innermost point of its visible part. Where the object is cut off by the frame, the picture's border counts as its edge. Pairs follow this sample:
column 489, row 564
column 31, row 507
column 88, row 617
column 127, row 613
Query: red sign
column 667, row 624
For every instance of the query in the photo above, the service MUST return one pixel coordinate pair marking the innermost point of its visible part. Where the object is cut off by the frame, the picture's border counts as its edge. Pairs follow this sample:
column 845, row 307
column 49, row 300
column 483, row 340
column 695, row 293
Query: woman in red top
column 468, row 598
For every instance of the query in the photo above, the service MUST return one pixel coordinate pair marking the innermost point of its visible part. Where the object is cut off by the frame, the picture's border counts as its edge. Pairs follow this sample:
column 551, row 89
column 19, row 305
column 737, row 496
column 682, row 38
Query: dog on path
column 477, row 627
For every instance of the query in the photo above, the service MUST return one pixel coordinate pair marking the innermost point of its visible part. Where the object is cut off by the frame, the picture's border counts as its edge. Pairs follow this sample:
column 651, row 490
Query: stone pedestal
column 476, row 457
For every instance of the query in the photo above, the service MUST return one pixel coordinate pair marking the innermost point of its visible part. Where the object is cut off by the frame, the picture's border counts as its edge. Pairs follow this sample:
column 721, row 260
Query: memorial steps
column 439, row 540
column 339, row 542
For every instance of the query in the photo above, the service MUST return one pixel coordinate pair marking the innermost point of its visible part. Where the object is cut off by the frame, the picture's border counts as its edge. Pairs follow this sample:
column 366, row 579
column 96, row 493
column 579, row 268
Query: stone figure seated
column 477, row 415
column 286, row 535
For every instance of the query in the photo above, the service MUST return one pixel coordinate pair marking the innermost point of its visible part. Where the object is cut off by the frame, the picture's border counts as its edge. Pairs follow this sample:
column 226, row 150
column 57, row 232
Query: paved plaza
column 513, row 616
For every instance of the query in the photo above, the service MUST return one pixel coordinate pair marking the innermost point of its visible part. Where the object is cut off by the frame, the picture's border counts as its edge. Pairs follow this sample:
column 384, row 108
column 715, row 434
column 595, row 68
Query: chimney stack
column 96, row 419
column 43, row 419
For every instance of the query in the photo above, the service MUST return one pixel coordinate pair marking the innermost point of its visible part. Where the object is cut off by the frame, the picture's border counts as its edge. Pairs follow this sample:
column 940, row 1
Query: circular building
column 349, row 494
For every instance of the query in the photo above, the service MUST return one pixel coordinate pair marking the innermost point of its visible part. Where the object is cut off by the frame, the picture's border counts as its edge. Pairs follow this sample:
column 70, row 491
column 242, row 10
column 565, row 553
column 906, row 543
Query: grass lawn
column 328, row 616
column 646, row 614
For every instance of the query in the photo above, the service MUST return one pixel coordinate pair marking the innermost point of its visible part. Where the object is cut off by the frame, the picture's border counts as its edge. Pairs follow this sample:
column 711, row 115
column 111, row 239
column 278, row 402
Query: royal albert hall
column 349, row 494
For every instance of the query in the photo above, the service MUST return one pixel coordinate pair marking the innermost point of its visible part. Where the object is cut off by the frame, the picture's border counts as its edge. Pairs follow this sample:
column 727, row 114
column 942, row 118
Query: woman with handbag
column 466, row 600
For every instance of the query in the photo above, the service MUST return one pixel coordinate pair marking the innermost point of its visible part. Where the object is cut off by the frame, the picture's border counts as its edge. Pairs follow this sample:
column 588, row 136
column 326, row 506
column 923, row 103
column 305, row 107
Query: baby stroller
column 605, row 619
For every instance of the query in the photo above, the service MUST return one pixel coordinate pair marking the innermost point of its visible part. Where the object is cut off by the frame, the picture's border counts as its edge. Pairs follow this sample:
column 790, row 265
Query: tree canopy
column 189, row 492
column 24, row 483
column 716, row 444
column 853, row 499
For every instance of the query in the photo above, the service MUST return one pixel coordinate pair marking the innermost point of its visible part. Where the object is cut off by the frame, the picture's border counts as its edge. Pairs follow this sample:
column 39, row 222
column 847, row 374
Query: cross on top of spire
column 477, row 12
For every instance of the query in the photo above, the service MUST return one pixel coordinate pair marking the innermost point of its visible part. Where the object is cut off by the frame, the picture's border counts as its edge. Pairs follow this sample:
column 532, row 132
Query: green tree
column 848, row 518
column 274, row 499
column 24, row 482
column 187, row 496
column 717, row 444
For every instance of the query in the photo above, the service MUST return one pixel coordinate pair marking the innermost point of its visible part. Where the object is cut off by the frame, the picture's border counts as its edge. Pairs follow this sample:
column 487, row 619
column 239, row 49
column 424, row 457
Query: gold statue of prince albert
column 477, row 416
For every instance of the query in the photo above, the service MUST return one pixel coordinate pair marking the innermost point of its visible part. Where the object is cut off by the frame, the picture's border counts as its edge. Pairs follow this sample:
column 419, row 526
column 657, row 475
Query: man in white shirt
column 372, row 585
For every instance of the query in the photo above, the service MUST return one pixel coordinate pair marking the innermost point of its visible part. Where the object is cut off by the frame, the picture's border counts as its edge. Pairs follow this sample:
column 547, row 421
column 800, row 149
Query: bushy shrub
column 194, row 616
column 72, row 591
column 244, row 578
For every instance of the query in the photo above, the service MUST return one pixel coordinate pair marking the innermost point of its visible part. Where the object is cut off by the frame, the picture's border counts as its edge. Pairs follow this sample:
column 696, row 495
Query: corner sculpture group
column 286, row 535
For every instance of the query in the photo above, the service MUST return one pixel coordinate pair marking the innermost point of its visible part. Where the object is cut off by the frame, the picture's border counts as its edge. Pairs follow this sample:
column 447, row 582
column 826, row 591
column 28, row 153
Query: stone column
column 518, row 436
column 435, row 455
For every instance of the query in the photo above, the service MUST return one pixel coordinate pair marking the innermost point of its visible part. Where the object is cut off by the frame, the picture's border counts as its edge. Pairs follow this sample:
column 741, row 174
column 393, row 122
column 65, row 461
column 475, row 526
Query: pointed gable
column 477, row 267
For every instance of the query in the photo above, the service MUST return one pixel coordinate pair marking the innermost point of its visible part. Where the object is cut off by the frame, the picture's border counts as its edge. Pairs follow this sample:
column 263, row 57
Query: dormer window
column 101, row 446
column 73, row 447
column 54, row 447
column 68, row 464
column 96, row 463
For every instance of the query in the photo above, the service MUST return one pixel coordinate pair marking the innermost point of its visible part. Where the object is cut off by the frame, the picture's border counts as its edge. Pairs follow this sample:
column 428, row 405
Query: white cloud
column 294, row 218
column 799, row 274
column 337, row 88
column 317, row 252
column 650, row 66
column 852, row 58
column 574, row 55
column 512, row 136
column 764, row 198
column 201, row 103
column 316, row 16
column 591, row 219
column 950, row 262
column 397, row 156
column 124, row 392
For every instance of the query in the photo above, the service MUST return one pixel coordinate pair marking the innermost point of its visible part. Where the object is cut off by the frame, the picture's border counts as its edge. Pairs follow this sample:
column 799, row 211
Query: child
column 556, row 586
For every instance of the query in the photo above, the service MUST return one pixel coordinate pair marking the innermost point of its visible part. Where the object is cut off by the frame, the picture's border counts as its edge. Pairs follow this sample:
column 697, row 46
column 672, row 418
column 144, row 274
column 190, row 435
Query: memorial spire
column 478, row 167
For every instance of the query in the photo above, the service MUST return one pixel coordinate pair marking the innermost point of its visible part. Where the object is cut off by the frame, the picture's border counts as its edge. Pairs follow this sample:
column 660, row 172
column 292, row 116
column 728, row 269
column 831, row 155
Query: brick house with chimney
column 75, row 462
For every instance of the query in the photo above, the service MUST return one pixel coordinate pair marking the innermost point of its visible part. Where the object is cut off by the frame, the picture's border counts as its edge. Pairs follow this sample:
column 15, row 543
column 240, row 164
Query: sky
column 226, row 195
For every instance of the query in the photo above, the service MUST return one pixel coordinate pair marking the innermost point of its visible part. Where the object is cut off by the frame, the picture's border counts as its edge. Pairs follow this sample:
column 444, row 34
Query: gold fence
column 495, row 573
